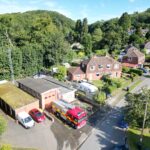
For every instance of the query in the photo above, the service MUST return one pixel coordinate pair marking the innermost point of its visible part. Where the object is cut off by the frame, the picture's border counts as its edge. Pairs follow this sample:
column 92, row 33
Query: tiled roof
column 75, row 70
column 134, row 52
column 103, row 60
column 147, row 45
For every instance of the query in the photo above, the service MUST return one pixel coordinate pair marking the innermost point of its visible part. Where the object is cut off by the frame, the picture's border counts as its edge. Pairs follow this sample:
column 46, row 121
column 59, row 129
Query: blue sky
column 78, row 9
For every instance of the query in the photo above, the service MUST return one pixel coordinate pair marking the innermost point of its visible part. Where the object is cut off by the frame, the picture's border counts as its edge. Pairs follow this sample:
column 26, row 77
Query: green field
column 134, row 136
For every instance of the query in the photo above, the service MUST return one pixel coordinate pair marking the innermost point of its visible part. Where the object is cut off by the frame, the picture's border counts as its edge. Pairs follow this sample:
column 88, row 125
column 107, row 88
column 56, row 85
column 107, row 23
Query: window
column 108, row 66
column 97, row 74
column 116, row 66
column 92, row 68
column 78, row 75
column 100, row 66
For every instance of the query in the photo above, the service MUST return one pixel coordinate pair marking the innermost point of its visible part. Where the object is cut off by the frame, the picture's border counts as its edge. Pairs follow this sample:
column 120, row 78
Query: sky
column 93, row 10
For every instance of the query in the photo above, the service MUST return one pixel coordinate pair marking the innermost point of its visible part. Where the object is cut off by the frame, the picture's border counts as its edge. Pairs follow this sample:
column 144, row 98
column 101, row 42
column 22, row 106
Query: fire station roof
column 64, row 88
column 13, row 96
column 38, row 85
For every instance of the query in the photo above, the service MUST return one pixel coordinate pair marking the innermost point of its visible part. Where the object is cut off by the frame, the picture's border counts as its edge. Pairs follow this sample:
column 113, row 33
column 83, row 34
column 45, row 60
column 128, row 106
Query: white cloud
column 84, row 11
column 131, row 1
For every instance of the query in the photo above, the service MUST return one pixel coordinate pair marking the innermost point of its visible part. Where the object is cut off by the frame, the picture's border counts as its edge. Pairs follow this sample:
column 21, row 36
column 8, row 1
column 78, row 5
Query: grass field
column 134, row 136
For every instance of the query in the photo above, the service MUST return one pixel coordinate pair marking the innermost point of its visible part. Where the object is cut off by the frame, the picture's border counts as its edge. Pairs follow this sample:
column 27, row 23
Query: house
column 94, row 68
column 77, row 46
column 147, row 47
column 144, row 31
column 13, row 100
column 41, row 89
column 133, row 58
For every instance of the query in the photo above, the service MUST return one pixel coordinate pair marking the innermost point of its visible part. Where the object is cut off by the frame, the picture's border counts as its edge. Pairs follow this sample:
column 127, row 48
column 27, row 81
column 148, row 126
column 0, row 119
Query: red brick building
column 94, row 68
column 44, row 91
column 133, row 58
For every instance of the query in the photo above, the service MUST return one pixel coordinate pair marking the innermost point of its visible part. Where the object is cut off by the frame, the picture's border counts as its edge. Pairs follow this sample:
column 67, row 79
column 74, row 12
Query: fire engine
column 72, row 115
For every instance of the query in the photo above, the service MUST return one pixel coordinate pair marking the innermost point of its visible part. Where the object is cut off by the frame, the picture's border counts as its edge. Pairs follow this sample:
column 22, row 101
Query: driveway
column 45, row 135
column 40, row 136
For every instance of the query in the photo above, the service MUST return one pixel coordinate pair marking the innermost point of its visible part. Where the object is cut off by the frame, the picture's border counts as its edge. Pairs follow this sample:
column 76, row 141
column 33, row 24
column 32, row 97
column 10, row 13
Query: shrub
column 3, row 125
column 136, row 71
column 100, row 97
column 125, row 69
column 6, row 147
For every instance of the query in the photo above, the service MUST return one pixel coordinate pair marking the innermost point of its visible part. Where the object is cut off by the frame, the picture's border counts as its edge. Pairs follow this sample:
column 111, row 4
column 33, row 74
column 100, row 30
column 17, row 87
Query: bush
column 136, row 71
column 3, row 125
column 125, row 70
column 6, row 147
column 100, row 97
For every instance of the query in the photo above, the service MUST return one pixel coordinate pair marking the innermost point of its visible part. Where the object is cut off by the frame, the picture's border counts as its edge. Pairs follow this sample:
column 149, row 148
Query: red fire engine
column 73, row 115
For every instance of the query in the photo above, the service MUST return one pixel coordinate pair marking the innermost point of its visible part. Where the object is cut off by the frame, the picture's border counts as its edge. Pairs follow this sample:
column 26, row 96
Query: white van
column 25, row 119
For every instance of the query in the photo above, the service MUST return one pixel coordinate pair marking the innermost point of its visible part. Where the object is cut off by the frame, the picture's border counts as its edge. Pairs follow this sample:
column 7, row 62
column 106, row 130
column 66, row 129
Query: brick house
column 147, row 47
column 94, row 68
column 44, row 91
column 133, row 58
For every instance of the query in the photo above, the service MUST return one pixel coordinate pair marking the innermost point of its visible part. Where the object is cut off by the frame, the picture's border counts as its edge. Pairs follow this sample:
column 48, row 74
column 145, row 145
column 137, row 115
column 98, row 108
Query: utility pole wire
column 10, row 57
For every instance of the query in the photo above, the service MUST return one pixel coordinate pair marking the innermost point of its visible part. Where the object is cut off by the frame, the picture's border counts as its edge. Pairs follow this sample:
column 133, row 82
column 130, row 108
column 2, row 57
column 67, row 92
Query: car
column 144, row 70
column 25, row 119
column 37, row 115
column 123, row 124
column 119, row 147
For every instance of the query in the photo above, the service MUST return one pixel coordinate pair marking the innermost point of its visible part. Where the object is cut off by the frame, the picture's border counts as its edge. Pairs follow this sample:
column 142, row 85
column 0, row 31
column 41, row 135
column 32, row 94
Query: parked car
column 25, row 119
column 123, row 124
column 37, row 115
column 144, row 70
column 119, row 147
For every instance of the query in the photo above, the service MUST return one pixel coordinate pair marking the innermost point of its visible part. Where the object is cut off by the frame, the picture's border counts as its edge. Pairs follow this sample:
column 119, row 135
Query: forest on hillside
column 40, row 39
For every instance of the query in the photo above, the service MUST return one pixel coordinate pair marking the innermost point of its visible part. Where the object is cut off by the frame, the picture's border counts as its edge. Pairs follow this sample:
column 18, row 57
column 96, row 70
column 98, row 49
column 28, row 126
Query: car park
column 25, row 119
column 37, row 115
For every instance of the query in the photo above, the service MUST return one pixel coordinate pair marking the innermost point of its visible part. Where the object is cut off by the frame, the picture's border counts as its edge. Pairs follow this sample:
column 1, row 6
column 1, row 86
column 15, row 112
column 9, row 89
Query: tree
column 136, row 107
column 3, row 124
column 96, row 37
column 87, row 43
column 125, row 21
column 85, row 27
column 78, row 30
column 61, row 73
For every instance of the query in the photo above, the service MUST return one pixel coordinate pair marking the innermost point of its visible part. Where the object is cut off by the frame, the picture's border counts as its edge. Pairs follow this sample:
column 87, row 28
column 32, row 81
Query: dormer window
column 92, row 67
column 100, row 66
column 108, row 66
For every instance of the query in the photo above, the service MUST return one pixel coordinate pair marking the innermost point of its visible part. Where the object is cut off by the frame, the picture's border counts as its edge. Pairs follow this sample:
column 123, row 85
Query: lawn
column 134, row 136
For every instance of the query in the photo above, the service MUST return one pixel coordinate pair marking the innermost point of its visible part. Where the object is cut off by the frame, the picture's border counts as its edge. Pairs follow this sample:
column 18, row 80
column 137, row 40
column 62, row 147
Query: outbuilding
column 41, row 89
column 13, row 100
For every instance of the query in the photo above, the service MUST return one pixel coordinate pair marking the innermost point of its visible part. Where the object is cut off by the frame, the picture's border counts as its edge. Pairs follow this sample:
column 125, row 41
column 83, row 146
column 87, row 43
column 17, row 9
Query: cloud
column 13, row 6
column 131, row 1
column 84, row 11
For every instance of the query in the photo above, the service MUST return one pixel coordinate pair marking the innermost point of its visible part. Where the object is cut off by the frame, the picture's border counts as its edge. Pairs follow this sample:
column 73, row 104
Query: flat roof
column 38, row 85
column 13, row 96
column 64, row 88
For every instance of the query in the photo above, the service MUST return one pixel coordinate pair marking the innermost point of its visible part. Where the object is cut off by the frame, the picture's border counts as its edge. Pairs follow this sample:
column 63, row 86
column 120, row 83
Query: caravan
column 87, row 88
